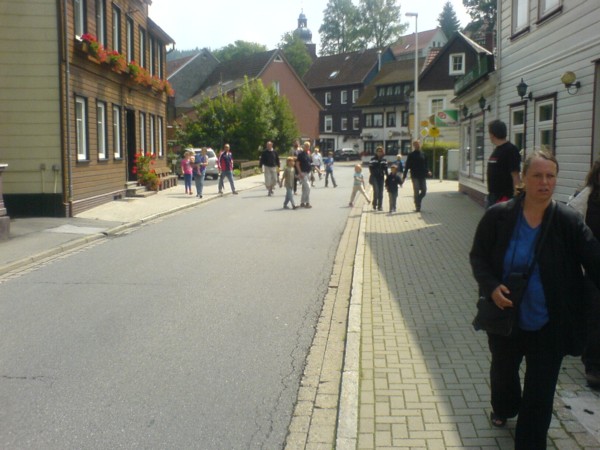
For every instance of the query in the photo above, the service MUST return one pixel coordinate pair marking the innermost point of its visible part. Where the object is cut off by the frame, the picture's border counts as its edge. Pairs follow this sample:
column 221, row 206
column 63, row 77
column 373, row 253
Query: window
column 344, row 97
column 142, row 59
column 152, row 135
column 101, row 21
column 457, row 64
column 152, row 59
column 160, row 137
column 436, row 105
column 466, row 149
column 129, row 38
column 478, row 163
column 101, row 129
column 391, row 119
column 118, row 154
column 277, row 87
column 356, row 123
column 116, row 29
column 517, row 128
column 389, row 90
column 79, row 17
column 328, row 98
column 404, row 119
column 344, row 123
column 545, row 125
column 143, row 132
column 549, row 6
column 328, row 125
column 81, row 128
column 368, row 120
column 354, row 95
column 159, row 61
column 378, row 120
column 520, row 15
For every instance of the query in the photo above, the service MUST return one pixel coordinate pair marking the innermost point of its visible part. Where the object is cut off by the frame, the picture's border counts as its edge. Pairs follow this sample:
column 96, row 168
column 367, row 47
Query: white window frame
column 160, row 137
column 344, row 123
column 143, row 148
column 152, row 55
column 520, row 15
column 391, row 119
column 356, row 123
column 116, row 25
column 277, row 87
column 81, row 128
column 355, row 95
column 433, row 109
column 152, row 135
column 453, row 61
column 544, row 126
column 142, row 60
column 328, row 124
column 344, row 97
column 101, row 130
column 328, row 98
column 101, row 21
column 117, row 149
column 377, row 120
column 129, row 38
column 518, row 128
column 79, row 17
column 548, row 6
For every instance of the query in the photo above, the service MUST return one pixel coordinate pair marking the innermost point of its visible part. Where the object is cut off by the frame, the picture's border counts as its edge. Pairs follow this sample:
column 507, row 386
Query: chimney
column 378, row 60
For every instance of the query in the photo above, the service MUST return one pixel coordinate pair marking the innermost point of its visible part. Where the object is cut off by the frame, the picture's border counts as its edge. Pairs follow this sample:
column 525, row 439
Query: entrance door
column 131, row 145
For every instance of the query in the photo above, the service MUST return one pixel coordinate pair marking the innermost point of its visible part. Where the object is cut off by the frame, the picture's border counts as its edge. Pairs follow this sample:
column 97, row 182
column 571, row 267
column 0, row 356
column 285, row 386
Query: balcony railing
column 484, row 66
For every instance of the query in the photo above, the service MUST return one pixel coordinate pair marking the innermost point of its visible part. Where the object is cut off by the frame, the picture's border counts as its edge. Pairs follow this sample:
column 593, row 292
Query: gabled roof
column 343, row 69
column 455, row 37
column 390, row 74
column 158, row 31
column 249, row 66
column 406, row 43
column 176, row 64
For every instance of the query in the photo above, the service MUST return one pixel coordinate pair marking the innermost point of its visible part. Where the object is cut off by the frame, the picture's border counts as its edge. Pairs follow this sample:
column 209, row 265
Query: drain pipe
column 69, row 199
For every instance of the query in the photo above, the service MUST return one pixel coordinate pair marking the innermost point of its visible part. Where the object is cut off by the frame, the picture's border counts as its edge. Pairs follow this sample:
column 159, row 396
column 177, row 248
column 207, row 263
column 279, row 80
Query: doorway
column 131, row 146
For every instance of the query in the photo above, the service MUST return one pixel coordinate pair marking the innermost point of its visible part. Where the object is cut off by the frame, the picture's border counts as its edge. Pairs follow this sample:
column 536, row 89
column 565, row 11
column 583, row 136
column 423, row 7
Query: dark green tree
column 296, row 53
column 448, row 21
column 237, row 50
column 380, row 23
column 483, row 15
column 284, row 123
column 340, row 28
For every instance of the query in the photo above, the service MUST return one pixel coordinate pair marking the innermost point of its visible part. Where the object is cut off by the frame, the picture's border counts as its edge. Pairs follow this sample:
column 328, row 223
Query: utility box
column 453, row 164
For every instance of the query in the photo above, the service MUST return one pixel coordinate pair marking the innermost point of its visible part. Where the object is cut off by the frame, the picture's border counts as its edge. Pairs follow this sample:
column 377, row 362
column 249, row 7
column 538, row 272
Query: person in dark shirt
column 587, row 203
column 303, row 167
column 503, row 165
column 392, row 182
column 269, row 161
column 378, row 171
column 416, row 162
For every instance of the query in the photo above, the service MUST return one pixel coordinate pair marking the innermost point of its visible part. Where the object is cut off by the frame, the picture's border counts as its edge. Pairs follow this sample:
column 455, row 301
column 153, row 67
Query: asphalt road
column 189, row 332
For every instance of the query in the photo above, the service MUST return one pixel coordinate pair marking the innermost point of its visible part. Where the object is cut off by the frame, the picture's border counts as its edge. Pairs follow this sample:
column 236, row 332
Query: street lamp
column 416, row 109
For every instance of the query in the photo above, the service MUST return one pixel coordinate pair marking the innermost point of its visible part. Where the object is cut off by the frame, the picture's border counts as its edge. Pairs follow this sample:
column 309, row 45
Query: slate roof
column 341, row 70
column 175, row 64
column 231, row 71
column 391, row 73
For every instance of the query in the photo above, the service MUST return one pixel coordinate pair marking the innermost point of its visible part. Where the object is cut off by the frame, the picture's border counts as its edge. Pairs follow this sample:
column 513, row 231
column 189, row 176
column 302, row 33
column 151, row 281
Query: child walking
column 289, row 174
column 188, row 170
column 392, row 182
column 358, row 185
column 329, row 169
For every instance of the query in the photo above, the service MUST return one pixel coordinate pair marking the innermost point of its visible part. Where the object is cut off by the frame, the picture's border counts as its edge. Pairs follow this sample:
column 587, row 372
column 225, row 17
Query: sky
column 216, row 23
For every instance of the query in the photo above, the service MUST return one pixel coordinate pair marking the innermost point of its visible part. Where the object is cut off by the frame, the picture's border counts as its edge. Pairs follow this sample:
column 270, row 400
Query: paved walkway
column 423, row 370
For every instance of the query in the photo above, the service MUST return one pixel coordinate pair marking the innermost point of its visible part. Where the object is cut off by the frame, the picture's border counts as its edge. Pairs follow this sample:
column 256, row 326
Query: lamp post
column 416, row 109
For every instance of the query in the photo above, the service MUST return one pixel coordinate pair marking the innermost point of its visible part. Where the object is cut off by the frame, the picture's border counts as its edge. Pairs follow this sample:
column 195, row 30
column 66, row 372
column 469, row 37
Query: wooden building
column 85, row 89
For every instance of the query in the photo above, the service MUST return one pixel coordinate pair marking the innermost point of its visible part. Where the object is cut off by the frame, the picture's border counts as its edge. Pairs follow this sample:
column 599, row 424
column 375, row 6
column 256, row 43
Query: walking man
column 269, row 161
column 378, row 171
column 416, row 162
column 303, row 167
column 226, row 168
column 503, row 166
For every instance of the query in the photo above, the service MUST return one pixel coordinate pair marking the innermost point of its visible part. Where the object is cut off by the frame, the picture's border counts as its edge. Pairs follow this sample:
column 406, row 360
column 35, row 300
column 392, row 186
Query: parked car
column 212, row 169
column 346, row 154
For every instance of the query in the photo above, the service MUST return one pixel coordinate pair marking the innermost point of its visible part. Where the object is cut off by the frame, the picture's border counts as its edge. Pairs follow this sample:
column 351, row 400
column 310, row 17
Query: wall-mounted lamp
column 465, row 112
column 522, row 90
column 482, row 103
column 568, row 79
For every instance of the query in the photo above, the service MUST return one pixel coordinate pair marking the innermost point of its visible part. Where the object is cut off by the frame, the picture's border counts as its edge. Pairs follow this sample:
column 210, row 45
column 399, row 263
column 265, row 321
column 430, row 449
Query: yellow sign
column 424, row 132
column 434, row 132
column 424, row 123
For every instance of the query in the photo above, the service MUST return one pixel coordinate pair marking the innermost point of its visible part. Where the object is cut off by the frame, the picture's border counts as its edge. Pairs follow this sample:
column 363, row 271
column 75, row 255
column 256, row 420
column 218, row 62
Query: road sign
column 434, row 132
column 446, row 118
column 424, row 123
column 425, row 132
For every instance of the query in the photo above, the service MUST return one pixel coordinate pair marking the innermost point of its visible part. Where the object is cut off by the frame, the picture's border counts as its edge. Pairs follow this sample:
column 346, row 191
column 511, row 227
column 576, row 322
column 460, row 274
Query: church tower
column 305, row 35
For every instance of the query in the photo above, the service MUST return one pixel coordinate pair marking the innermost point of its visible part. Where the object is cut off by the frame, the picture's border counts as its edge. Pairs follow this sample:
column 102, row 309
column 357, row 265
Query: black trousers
column 533, row 405
column 591, row 352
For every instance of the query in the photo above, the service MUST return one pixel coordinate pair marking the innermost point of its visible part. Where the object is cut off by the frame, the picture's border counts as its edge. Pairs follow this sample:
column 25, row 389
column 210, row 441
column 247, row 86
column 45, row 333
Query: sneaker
column 220, row 192
column 235, row 192
column 308, row 205
column 302, row 205
column 380, row 209
column 286, row 207
column 294, row 207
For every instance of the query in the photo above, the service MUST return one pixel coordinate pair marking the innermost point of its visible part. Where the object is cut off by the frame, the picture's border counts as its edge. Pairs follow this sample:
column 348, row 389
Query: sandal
column 496, row 420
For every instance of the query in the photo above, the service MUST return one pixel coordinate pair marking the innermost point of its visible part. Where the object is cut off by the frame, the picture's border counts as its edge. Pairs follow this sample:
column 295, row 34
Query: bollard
column 441, row 169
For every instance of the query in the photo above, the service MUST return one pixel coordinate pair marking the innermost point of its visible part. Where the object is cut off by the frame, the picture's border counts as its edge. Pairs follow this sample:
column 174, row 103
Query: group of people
column 554, row 248
column 194, row 166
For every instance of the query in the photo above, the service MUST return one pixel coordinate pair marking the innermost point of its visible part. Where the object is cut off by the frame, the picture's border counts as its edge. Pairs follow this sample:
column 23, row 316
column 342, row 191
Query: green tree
column 237, row 50
column 296, row 53
column 483, row 14
column 448, row 21
column 340, row 28
column 284, row 123
column 380, row 23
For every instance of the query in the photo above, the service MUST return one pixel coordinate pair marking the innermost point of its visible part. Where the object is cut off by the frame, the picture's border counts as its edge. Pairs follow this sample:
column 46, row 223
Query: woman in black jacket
column 551, row 319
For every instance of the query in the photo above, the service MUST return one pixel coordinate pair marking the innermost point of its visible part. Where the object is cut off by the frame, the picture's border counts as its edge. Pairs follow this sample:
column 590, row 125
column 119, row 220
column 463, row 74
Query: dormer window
column 334, row 74
column 457, row 64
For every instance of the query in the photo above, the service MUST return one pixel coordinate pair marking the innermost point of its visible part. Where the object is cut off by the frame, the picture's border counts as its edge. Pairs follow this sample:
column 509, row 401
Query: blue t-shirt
column 533, row 312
